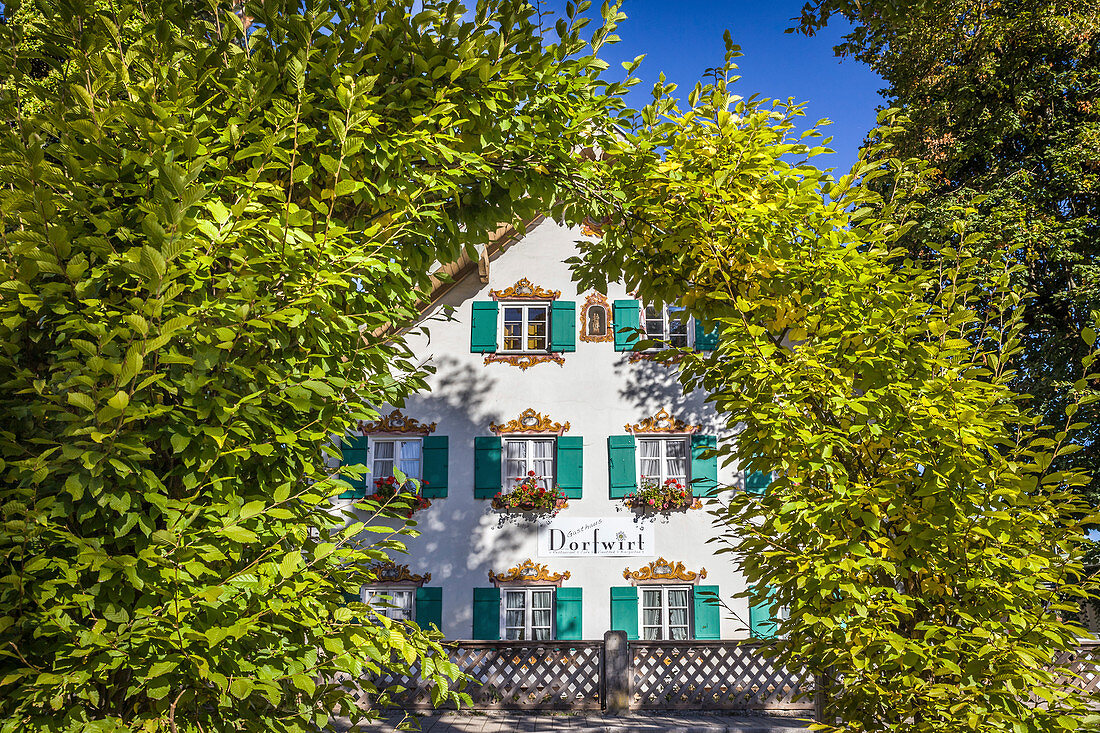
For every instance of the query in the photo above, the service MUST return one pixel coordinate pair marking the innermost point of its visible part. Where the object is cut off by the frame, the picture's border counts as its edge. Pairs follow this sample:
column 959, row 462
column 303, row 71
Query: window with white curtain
column 524, row 327
column 668, row 325
column 524, row 455
column 661, row 459
column 666, row 612
column 395, row 603
column 387, row 453
column 529, row 614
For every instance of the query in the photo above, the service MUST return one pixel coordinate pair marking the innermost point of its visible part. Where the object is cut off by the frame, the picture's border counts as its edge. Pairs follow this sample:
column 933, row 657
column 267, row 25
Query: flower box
column 653, row 496
column 395, row 498
column 528, row 496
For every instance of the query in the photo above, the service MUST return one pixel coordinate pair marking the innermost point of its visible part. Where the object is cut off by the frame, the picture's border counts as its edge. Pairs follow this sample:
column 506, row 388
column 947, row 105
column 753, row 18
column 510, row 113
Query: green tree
column 1001, row 99
column 914, row 527
column 208, row 242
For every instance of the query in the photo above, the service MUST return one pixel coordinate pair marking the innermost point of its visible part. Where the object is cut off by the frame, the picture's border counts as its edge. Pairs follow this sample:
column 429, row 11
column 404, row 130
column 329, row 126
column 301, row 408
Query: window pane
column 514, row 634
column 651, row 617
column 677, row 327
column 383, row 449
column 403, row 600
column 409, row 458
column 540, row 634
column 542, row 463
column 513, row 329
column 676, row 462
column 650, row 464
column 536, row 329
column 540, row 619
column 515, row 464
column 381, row 469
column 654, row 322
column 652, row 633
column 678, row 633
column 514, row 599
column 651, row 598
column 677, row 617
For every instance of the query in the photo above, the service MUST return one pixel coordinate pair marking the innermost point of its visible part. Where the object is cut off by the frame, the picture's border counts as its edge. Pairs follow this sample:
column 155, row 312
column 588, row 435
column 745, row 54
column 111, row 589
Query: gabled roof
column 451, row 274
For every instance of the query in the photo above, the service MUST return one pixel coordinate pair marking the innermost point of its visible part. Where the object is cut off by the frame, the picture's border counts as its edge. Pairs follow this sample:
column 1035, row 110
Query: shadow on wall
column 650, row 386
column 461, row 536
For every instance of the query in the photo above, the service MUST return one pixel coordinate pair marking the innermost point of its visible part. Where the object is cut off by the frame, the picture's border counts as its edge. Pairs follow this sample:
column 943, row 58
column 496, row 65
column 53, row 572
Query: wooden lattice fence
column 548, row 675
column 732, row 676
column 1085, row 663
column 714, row 675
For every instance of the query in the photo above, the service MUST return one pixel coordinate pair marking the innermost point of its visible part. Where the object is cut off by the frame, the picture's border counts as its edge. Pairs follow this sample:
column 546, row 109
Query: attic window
column 525, row 327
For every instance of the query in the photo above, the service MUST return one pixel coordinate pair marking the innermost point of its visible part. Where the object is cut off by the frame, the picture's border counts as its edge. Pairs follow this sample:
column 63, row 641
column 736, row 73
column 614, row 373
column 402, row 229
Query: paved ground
column 581, row 723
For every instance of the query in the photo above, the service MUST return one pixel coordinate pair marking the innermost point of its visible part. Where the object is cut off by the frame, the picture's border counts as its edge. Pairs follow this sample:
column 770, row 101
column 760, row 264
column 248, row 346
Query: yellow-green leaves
column 201, row 246
column 928, row 555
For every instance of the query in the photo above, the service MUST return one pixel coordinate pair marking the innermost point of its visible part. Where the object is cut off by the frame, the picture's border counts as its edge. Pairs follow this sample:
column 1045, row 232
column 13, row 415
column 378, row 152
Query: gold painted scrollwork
column 662, row 569
column 524, row 289
column 524, row 361
column 395, row 422
column 662, row 422
column 528, row 571
column 389, row 572
column 529, row 421
column 594, row 327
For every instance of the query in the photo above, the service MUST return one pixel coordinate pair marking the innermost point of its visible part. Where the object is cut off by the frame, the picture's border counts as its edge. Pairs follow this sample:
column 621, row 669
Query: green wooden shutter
column 705, row 340
column 621, row 470
column 354, row 452
column 486, row 466
column 762, row 623
column 486, row 614
column 704, row 470
column 627, row 316
column 563, row 326
column 757, row 482
column 707, row 617
column 567, row 614
column 435, row 473
column 570, row 465
column 429, row 607
column 624, row 610
column 483, row 329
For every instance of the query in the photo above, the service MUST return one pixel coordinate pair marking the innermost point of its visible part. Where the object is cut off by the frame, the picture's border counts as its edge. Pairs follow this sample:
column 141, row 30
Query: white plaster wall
column 597, row 391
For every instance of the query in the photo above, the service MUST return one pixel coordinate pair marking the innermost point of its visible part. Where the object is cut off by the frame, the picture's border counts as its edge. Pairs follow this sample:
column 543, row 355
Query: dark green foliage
column 1003, row 99
column 208, row 243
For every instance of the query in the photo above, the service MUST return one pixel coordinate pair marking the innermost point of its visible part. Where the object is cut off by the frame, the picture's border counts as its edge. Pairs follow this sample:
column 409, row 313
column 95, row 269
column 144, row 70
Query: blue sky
column 683, row 38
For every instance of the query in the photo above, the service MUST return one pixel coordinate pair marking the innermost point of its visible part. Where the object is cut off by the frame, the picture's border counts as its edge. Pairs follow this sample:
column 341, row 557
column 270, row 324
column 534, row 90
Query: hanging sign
column 595, row 537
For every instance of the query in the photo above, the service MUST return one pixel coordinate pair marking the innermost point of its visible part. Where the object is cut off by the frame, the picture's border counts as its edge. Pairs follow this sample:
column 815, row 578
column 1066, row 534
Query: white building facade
column 534, row 382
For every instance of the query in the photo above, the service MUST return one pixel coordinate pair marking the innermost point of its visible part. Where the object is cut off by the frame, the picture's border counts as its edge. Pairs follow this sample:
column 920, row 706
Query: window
column 390, row 602
column 529, row 614
column 661, row 459
column 524, row 455
column 525, row 327
column 386, row 453
column 666, row 612
column 667, row 325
